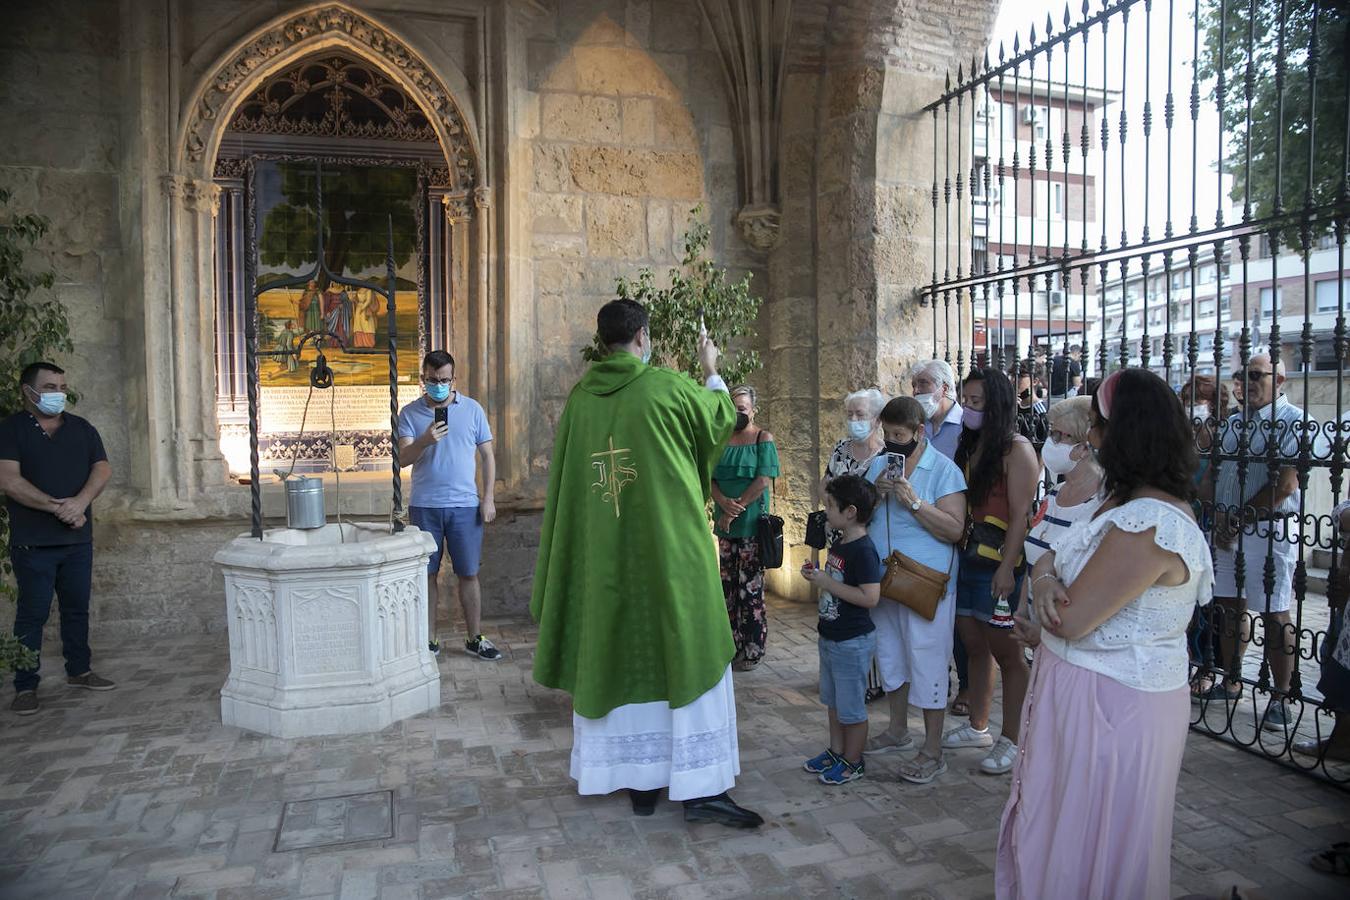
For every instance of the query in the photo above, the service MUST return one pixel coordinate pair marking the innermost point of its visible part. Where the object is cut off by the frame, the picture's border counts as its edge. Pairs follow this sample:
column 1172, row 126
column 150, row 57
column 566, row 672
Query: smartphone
column 441, row 415
column 895, row 465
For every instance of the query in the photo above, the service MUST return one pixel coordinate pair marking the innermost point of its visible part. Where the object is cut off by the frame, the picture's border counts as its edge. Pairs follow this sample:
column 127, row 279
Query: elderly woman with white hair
column 852, row 455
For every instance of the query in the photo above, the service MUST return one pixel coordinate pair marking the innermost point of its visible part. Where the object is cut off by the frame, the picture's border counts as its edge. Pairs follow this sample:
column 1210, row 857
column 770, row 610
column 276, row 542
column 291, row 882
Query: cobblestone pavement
column 141, row 792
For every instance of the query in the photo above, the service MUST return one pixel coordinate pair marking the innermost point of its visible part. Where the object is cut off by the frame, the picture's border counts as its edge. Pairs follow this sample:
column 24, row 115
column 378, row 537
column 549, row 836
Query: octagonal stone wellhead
column 328, row 630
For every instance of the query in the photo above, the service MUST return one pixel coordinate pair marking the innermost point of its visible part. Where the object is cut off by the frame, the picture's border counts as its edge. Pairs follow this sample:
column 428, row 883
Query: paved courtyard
column 142, row 793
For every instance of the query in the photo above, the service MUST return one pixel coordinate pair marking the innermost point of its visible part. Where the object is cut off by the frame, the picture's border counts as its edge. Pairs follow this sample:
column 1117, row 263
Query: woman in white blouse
column 1105, row 717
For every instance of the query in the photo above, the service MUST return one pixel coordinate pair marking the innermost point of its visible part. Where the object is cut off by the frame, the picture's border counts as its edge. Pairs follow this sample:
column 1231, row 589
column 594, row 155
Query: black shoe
column 644, row 802
column 25, row 703
column 482, row 648
column 723, row 810
column 90, row 682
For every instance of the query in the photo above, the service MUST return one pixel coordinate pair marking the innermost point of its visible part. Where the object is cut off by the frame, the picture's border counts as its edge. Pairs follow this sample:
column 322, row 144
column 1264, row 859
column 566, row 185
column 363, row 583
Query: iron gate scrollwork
column 1062, row 163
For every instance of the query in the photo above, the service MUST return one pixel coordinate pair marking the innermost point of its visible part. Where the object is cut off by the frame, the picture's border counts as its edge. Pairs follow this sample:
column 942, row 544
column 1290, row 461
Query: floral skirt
column 743, row 588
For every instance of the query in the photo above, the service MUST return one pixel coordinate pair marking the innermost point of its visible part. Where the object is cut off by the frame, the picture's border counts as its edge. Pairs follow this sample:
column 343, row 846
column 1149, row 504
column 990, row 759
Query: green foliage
column 30, row 330
column 358, row 203
column 729, row 310
column 1333, row 75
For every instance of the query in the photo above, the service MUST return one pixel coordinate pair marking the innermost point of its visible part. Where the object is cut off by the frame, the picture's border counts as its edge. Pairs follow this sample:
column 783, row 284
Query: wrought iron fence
column 1164, row 183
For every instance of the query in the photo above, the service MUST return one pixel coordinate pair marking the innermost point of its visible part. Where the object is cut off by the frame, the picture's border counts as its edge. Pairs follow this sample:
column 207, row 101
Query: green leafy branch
column 697, row 284
column 30, row 330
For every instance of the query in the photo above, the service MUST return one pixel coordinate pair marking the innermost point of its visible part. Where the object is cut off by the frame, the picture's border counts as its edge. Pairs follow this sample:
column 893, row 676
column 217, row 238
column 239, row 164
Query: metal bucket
column 304, row 503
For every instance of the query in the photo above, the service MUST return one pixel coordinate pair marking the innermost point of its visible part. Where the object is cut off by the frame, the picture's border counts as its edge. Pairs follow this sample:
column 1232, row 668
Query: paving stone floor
column 141, row 793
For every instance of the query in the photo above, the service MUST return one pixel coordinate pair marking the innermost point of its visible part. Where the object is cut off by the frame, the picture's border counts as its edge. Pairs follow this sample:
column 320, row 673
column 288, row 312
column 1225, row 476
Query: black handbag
column 769, row 532
column 817, row 530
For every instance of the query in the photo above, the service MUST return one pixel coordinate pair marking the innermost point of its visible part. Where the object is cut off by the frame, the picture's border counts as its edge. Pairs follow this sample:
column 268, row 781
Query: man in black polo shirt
column 52, row 466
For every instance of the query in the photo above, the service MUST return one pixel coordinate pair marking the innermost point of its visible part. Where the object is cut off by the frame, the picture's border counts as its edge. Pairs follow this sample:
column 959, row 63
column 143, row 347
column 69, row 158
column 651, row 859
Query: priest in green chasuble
column 627, row 593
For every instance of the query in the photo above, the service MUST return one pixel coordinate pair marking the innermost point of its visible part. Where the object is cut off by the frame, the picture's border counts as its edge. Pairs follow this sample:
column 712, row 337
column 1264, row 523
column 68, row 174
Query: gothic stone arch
column 185, row 472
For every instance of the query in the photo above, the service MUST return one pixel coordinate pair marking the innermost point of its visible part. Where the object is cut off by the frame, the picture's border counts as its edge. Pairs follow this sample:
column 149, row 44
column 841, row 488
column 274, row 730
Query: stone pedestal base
column 328, row 630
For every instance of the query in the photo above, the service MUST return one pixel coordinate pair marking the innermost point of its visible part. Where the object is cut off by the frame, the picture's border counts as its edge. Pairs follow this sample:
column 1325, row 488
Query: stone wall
column 630, row 133
column 601, row 123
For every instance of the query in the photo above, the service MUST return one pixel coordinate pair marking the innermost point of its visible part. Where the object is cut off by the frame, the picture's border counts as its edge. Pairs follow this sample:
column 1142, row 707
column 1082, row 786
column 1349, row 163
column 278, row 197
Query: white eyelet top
column 1143, row 645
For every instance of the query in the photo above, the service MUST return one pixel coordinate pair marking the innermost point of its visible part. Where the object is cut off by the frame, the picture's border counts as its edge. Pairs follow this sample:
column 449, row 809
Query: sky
column 1016, row 18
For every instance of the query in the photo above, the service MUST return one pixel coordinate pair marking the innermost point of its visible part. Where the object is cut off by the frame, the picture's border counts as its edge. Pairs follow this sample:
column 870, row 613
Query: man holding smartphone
column 443, row 435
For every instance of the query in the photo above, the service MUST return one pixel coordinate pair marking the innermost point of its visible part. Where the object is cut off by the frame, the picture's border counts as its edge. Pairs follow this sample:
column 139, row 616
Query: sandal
column 1335, row 860
column 922, row 769
column 744, row 665
column 1218, row 691
column 961, row 707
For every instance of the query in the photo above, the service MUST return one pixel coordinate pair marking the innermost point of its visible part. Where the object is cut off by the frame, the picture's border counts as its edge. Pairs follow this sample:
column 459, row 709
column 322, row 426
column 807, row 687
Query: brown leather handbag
column 910, row 582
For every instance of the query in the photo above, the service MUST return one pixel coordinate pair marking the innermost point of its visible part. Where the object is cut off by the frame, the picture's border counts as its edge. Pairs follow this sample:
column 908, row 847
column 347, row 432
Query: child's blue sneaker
column 817, row 764
column 842, row 772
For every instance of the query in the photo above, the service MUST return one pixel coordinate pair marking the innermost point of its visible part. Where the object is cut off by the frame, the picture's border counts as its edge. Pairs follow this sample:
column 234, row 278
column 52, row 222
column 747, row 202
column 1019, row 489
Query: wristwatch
column 914, row 507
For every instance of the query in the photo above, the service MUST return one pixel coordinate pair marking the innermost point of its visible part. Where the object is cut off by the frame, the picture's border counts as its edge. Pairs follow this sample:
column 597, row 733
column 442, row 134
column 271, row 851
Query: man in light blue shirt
column 933, row 384
column 445, row 501
column 1269, row 525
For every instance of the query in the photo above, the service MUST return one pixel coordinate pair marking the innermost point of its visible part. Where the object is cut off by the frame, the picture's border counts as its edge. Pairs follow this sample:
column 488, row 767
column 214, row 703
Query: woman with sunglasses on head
column 1106, row 714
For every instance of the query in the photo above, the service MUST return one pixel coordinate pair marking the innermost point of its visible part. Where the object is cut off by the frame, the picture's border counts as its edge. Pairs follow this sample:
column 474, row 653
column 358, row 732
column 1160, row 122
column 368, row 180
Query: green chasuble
column 627, row 592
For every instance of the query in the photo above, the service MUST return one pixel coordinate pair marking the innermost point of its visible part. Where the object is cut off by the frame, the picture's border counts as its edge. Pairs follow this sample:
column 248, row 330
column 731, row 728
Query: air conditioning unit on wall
column 1028, row 114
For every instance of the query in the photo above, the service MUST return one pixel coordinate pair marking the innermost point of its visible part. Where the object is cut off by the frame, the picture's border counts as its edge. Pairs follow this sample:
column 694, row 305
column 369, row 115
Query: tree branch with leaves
column 697, row 285
column 30, row 330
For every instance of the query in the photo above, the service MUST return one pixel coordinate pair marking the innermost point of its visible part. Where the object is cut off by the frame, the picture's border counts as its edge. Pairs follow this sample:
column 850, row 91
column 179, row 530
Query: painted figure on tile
column 337, row 313
column 365, row 315
column 311, row 310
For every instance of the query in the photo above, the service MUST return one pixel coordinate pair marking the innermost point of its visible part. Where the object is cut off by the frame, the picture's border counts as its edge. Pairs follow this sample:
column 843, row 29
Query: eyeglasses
column 450, row 380
column 1251, row 375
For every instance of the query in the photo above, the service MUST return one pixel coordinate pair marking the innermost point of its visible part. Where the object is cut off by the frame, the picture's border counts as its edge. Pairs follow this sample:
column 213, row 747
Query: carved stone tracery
column 333, row 95
column 428, row 92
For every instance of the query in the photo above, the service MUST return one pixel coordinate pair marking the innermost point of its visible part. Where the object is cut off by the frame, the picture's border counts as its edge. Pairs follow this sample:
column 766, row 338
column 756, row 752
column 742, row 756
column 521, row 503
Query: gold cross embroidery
column 615, row 473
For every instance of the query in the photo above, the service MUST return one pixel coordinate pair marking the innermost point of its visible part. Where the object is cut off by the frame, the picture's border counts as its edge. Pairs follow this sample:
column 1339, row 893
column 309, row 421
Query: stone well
column 328, row 630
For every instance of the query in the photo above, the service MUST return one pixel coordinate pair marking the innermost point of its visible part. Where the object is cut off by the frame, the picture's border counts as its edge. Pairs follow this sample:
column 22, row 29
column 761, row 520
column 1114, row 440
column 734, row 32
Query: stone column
column 752, row 40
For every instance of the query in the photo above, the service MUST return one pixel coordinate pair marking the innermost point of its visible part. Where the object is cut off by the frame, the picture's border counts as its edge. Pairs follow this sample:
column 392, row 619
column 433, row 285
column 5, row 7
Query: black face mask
column 742, row 421
column 906, row 449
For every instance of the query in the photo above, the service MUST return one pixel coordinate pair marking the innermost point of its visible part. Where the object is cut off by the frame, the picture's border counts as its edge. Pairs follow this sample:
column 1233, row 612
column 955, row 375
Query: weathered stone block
column 659, row 233
column 676, row 26
column 567, row 245
column 621, row 70
column 637, row 173
column 674, row 128
column 569, row 117
column 556, row 213
column 616, row 227
column 551, row 168
column 639, row 121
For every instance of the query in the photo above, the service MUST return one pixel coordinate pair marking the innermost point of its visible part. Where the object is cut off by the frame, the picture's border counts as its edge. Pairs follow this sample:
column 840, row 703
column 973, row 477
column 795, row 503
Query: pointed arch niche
column 325, row 86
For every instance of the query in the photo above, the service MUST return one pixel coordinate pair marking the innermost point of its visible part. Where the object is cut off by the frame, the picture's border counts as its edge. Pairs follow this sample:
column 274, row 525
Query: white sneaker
column 1000, row 759
column 966, row 736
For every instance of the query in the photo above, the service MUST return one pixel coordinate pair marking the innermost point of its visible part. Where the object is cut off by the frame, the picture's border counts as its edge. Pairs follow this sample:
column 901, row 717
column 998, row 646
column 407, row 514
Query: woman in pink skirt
column 1105, row 718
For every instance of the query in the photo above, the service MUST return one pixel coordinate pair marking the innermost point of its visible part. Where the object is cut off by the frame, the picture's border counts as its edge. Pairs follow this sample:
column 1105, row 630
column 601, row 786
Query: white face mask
column 929, row 402
column 1057, row 457
column 1201, row 412
column 859, row 429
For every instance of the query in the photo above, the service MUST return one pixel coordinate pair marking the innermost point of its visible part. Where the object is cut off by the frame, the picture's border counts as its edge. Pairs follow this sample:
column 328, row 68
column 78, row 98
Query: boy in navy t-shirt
column 850, row 585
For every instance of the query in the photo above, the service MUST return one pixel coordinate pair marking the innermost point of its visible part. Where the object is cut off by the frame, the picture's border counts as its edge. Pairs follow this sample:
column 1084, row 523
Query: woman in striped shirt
column 1066, row 454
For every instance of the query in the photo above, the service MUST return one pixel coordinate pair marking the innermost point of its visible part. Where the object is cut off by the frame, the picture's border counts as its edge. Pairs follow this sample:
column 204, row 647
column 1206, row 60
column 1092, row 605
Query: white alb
column 1143, row 646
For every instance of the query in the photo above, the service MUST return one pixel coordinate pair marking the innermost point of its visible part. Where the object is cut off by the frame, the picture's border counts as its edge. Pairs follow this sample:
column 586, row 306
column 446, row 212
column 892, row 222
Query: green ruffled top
column 740, row 465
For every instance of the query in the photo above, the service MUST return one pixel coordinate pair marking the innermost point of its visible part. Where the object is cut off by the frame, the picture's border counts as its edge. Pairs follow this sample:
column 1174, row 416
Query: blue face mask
column 438, row 392
column 51, row 403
